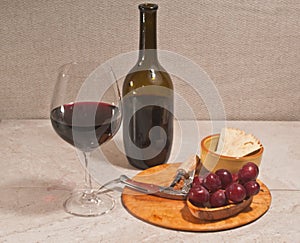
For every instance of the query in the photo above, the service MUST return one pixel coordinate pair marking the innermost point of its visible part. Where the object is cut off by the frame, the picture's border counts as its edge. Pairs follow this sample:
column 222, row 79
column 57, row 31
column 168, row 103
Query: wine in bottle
column 147, row 101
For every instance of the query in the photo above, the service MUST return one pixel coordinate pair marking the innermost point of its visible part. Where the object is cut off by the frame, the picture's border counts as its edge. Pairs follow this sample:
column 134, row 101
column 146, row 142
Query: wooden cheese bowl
column 218, row 213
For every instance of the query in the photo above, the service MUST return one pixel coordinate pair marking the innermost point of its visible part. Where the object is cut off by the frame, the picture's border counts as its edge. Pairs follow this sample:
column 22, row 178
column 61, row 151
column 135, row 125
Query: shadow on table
column 34, row 197
column 114, row 155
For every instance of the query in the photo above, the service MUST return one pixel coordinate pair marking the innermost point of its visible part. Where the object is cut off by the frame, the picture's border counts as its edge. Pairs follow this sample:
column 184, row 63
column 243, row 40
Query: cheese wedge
column 236, row 143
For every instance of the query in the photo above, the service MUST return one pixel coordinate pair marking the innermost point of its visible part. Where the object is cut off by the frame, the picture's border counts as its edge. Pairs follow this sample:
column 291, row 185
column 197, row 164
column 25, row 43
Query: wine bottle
column 147, row 100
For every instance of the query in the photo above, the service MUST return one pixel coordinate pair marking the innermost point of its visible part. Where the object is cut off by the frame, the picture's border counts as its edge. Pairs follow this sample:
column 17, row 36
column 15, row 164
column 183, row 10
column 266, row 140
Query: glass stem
column 87, row 176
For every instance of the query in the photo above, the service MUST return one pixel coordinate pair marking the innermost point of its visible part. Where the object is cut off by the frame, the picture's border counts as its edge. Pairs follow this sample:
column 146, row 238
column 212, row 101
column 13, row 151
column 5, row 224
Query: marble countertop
column 39, row 170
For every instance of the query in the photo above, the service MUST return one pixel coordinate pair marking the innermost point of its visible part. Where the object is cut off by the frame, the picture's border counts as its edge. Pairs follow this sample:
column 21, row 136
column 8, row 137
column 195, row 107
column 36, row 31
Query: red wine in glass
column 98, row 122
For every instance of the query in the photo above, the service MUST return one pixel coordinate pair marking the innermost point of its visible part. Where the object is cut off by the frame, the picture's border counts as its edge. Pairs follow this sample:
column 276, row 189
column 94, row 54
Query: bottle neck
column 147, row 33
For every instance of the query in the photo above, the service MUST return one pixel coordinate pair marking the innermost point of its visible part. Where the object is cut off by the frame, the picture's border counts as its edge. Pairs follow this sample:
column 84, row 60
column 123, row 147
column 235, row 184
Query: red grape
column 218, row 198
column 223, row 187
column 252, row 188
column 235, row 177
column 248, row 172
column 212, row 182
column 198, row 195
column 197, row 181
column 235, row 192
column 225, row 177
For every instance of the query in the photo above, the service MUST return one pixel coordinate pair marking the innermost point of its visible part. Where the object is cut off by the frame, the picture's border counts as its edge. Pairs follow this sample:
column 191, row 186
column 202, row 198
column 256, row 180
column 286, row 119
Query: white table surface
column 39, row 170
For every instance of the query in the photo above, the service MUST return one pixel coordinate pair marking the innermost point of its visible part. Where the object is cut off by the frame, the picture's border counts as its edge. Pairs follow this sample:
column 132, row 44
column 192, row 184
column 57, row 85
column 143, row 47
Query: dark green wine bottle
column 147, row 101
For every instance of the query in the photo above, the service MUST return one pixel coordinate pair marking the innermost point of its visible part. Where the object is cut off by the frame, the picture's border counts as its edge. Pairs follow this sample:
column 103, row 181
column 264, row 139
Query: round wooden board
column 174, row 214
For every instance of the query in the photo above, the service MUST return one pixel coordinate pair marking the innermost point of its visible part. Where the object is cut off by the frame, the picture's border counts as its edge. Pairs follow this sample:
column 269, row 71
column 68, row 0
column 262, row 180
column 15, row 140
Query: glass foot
column 87, row 203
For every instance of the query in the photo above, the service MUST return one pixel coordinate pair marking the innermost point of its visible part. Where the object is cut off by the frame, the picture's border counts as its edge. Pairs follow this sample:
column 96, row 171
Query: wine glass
column 86, row 112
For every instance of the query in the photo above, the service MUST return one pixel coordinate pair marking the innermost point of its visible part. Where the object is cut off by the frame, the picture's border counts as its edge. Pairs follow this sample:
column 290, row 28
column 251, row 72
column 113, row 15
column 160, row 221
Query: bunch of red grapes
column 222, row 188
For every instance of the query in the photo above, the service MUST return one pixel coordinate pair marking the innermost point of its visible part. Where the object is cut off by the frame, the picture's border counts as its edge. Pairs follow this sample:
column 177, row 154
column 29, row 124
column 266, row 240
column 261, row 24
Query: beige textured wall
column 250, row 49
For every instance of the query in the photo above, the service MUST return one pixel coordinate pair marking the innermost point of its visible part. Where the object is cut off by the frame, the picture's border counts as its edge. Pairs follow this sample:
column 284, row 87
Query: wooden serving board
column 174, row 214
